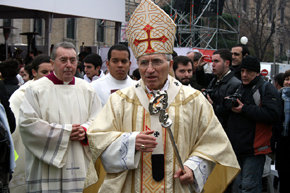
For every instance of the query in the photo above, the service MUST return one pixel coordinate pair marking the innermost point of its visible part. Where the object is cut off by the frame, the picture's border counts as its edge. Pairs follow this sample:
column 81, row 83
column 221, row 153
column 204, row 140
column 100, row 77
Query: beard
column 184, row 81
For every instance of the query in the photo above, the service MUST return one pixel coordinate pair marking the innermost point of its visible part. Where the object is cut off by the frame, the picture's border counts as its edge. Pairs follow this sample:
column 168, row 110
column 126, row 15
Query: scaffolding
column 204, row 28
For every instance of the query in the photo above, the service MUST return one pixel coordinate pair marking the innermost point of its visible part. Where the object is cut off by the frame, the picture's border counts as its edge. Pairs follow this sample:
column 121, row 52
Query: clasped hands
column 78, row 133
column 146, row 143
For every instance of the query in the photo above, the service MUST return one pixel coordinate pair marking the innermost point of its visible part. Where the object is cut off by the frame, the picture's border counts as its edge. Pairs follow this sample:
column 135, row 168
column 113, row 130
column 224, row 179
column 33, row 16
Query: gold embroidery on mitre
column 150, row 30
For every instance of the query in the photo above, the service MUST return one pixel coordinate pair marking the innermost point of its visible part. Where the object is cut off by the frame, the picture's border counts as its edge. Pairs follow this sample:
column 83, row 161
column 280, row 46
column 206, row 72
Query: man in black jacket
column 223, row 84
column 250, row 123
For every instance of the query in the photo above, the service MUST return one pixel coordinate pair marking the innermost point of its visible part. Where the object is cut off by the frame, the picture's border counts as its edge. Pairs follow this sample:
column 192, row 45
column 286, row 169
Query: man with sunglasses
column 53, row 119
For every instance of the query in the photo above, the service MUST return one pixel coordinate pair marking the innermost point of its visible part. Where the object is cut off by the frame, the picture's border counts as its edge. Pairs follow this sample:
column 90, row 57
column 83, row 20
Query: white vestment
column 102, row 74
column 108, row 84
column 54, row 163
column 197, row 132
column 17, row 183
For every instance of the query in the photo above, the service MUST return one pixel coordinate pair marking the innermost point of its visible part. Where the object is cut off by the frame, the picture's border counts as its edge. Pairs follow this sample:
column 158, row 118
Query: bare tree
column 282, row 29
column 259, row 25
column 266, row 23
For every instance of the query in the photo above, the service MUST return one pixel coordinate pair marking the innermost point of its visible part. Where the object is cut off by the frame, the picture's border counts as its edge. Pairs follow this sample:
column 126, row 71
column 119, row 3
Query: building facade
column 274, row 17
column 80, row 31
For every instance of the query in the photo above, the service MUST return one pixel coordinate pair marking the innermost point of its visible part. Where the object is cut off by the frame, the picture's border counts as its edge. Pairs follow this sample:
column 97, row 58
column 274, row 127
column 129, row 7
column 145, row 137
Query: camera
column 207, row 92
column 233, row 99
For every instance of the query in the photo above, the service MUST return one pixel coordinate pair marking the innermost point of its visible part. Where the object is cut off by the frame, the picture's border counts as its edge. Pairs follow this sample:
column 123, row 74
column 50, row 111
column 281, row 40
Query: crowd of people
column 193, row 123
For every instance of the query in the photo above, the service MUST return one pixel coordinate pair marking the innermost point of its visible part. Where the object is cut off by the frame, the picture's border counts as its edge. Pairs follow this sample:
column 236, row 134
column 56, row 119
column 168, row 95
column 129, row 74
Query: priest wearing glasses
column 158, row 135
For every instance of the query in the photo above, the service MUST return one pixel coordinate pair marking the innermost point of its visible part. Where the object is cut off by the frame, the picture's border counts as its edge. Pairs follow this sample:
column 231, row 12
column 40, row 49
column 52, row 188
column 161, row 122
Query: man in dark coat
column 223, row 84
column 250, row 124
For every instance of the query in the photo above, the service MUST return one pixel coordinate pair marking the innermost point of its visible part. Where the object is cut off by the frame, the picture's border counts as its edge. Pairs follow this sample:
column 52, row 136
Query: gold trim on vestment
column 133, row 101
column 188, row 99
column 176, row 129
column 146, row 169
column 210, row 157
column 134, row 120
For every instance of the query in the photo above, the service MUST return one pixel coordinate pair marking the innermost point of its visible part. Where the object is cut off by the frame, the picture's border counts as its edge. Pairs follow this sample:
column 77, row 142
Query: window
column 7, row 22
column 100, row 30
column 38, row 26
column 70, row 28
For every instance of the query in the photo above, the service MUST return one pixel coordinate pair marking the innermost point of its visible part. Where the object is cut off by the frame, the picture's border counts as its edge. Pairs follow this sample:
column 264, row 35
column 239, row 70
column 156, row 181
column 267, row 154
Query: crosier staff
column 158, row 104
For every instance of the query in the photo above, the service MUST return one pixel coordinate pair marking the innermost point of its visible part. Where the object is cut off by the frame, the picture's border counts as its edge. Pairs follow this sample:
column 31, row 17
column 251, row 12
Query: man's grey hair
column 67, row 45
column 167, row 56
column 197, row 54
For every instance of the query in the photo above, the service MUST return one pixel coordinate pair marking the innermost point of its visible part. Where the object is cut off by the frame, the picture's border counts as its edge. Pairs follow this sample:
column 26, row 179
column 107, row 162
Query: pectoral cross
column 158, row 104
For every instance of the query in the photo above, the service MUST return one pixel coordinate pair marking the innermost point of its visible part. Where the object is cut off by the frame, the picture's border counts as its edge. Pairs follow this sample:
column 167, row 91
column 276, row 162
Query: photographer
column 250, row 123
column 223, row 84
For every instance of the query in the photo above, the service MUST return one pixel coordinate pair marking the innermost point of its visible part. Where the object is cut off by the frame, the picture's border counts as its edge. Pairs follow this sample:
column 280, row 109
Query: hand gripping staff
column 158, row 104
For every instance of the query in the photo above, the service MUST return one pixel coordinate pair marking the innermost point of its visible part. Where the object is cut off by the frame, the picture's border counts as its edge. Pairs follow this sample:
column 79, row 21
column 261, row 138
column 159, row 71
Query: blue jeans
column 249, row 180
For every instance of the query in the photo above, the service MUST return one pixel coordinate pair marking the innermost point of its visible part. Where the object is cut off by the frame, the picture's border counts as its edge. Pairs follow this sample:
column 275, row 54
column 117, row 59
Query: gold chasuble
column 196, row 130
column 148, row 184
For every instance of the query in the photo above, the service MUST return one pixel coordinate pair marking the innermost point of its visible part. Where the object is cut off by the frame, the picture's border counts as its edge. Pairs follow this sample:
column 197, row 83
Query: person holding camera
column 255, row 108
column 223, row 84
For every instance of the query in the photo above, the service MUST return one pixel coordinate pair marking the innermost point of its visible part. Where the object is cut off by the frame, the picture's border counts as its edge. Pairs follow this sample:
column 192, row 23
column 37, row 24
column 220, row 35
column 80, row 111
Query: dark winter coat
column 250, row 131
column 218, row 91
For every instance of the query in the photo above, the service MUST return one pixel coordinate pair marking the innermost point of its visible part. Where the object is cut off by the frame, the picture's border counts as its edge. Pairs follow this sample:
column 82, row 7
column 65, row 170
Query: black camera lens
column 233, row 99
column 235, row 103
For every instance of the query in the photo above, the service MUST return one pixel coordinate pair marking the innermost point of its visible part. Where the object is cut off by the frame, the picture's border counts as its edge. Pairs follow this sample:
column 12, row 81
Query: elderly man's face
column 65, row 64
column 154, row 70
column 248, row 75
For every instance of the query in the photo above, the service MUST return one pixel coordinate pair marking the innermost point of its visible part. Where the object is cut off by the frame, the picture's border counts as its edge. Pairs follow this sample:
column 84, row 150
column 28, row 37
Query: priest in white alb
column 53, row 119
column 130, row 133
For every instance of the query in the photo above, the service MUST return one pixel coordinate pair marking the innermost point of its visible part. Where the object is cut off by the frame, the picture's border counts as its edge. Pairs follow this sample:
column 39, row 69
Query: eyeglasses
column 64, row 60
column 155, row 63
